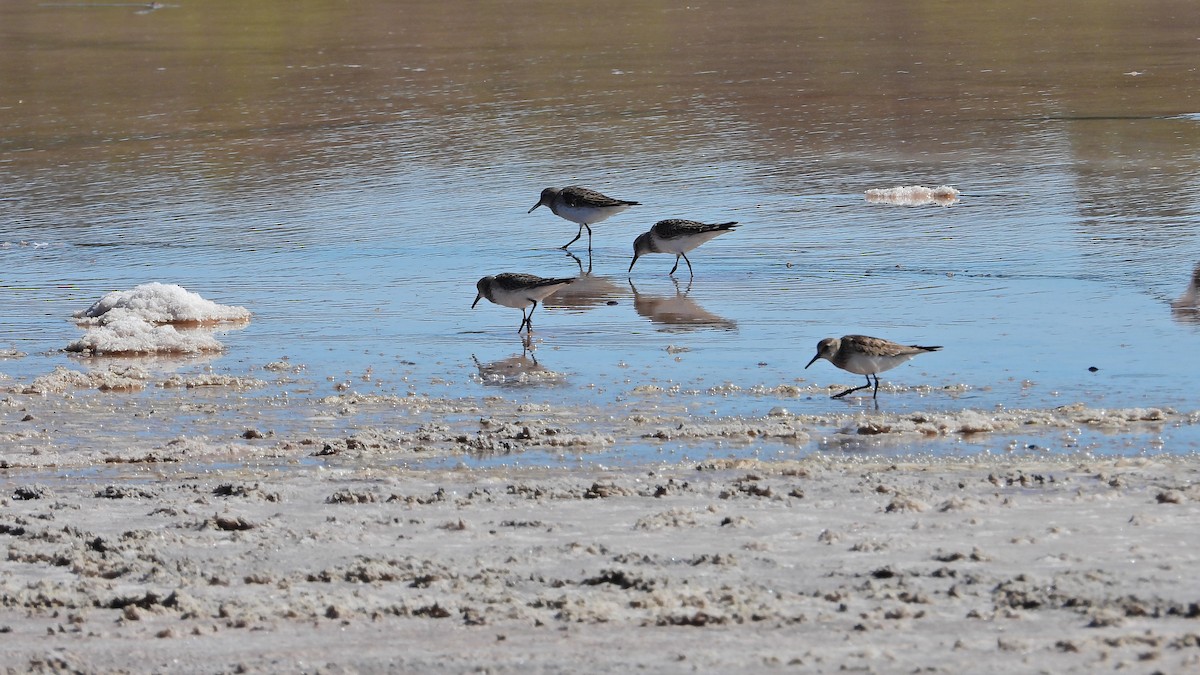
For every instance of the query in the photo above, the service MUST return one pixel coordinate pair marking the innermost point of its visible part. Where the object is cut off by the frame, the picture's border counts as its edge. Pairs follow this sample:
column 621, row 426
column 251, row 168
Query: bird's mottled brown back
column 515, row 281
column 879, row 347
column 673, row 228
column 581, row 197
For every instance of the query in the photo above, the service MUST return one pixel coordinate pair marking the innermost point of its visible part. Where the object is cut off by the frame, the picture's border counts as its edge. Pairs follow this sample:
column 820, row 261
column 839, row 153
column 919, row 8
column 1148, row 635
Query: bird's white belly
column 684, row 244
column 520, row 299
column 516, row 299
column 863, row 364
column 589, row 215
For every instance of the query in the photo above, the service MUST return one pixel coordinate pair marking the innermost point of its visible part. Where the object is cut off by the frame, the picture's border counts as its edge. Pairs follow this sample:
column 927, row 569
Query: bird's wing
column 877, row 346
column 676, row 227
column 552, row 282
column 578, row 197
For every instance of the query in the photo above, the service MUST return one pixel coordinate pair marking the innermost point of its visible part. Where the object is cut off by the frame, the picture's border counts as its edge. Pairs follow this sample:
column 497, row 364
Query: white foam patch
column 914, row 195
column 159, row 303
column 210, row 380
column 130, row 335
column 24, row 244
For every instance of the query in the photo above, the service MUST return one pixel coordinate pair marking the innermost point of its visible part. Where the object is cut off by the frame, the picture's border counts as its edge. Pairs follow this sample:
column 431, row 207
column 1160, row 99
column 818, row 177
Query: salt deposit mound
column 130, row 335
column 143, row 321
column 914, row 195
column 160, row 304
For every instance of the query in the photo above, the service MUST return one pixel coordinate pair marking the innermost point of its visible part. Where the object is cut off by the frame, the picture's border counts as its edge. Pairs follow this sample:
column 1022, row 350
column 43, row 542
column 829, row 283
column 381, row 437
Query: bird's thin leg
column 589, row 229
column 529, row 321
column 675, row 267
column 876, row 394
column 868, row 384
column 689, row 262
column 576, row 238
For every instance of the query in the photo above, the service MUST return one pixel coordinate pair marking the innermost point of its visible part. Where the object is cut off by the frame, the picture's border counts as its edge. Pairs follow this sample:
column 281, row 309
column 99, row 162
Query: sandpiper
column 581, row 205
column 678, row 237
column 864, row 355
column 516, row 290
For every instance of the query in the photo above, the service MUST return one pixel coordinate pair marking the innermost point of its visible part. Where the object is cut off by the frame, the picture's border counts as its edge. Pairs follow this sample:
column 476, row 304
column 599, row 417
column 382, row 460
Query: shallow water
column 348, row 172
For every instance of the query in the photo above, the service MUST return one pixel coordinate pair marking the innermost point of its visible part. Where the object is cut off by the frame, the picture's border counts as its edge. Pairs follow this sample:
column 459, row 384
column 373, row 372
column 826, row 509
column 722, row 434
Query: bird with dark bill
column 516, row 290
column 867, row 356
column 582, row 206
column 676, row 236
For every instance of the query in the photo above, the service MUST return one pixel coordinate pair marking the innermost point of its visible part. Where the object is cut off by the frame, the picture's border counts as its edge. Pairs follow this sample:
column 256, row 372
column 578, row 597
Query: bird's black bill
column 814, row 360
column 477, row 299
column 631, row 263
column 534, row 207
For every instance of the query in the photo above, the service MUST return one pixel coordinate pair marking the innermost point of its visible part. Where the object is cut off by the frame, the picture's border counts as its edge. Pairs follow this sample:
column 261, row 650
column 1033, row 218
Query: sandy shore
column 819, row 565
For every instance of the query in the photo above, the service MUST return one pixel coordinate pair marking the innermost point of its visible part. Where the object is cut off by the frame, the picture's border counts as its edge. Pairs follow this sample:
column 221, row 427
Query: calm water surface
column 347, row 171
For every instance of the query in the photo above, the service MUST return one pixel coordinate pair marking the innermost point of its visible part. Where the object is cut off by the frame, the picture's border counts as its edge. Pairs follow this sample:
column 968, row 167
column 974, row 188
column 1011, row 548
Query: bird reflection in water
column 1186, row 308
column 588, row 291
column 678, row 312
column 518, row 370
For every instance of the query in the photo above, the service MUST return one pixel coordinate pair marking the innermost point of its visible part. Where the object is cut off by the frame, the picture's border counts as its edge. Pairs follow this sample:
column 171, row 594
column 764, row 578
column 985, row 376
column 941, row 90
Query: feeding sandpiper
column 581, row 205
column 516, row 290
column 678, row 237
column 864, row 355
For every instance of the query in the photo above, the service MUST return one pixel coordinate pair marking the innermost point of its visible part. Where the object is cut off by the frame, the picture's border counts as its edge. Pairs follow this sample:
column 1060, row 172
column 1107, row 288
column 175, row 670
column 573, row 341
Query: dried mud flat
column 817, row 565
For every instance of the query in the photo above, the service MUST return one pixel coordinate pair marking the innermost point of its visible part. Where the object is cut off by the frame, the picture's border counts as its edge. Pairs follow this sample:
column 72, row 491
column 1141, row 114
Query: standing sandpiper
column 518, row 291
column 678, row 237
column 864, row 355
column 581, row 205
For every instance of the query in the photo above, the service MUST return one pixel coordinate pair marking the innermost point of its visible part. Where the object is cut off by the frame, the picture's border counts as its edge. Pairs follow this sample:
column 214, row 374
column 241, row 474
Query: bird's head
column 482, row 287
column 825, row 350
column 641, row 245
column 546, row 199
